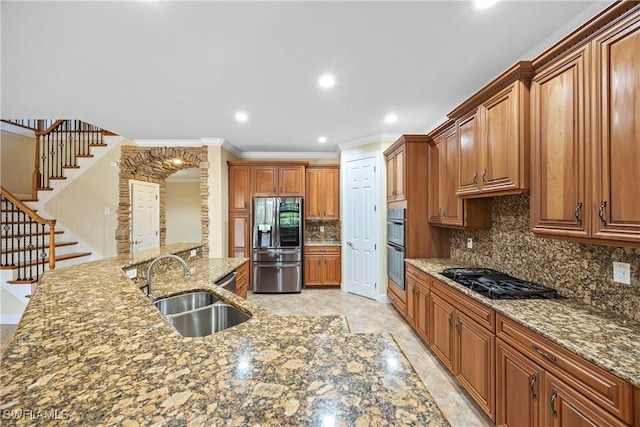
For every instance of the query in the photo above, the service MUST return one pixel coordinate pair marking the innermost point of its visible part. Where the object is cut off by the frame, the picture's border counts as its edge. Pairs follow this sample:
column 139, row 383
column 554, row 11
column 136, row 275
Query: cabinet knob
column 350, row 243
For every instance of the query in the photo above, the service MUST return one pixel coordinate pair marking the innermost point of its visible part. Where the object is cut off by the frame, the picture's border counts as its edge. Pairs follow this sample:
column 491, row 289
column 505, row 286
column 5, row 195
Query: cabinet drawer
column 323, row 250
column 600, row 386
column 480, row 313
column 419, row 275
column 401, row 306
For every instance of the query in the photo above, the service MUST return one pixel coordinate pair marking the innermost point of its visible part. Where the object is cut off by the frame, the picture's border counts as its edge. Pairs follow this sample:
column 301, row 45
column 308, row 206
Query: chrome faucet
column 155, row 261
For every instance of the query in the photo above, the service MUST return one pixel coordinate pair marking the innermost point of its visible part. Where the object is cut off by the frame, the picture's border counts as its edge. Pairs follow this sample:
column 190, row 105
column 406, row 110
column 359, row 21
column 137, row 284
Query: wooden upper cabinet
column 616, row 132
column 264, row 180
column 322, row 196
column 446, row 208
column 291, row 181
column 239, row 188
column 396, row 178
column 560, row 200
column 493, row 135
column 586, row 134
column 278, row 180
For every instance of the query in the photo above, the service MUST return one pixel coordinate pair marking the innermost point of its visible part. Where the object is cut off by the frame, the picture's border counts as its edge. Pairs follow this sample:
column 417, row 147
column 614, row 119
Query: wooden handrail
column 51, row 128
column 37, row 218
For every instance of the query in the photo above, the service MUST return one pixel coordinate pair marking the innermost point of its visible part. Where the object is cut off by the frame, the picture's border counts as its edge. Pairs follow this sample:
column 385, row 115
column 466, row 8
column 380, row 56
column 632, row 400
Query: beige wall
column 219, row 201
column 80, row 207
column 17, row 152
column 182, row 206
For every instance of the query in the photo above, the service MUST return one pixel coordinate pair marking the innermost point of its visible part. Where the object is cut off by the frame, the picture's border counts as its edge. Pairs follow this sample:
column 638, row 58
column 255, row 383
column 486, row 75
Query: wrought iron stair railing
column 28, row 240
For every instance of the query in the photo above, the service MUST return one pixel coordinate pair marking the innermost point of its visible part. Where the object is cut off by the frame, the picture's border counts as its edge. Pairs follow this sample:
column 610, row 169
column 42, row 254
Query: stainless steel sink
column 208, row 320
column 185, row 302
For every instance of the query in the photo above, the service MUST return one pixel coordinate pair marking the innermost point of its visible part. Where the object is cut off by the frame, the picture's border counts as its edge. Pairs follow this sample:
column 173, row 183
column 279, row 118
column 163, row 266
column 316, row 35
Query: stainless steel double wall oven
column 395, row 245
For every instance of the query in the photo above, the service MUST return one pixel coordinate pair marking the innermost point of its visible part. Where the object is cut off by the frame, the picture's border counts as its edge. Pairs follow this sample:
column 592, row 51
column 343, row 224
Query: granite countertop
column 610, row 343
column 92, row 350
column 322, row 243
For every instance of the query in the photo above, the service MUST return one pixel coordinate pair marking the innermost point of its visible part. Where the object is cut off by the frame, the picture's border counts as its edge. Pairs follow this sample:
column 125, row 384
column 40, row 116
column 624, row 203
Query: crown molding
column 288, row 155
column 381, row 137
column 199, row 142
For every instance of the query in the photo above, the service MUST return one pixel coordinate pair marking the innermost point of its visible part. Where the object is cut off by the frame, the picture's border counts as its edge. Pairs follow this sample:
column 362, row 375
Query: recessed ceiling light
column 176, row 161
column 241, row 117
column 484, row 4
column 322, row 139
column 327, row 81
column 391, row 118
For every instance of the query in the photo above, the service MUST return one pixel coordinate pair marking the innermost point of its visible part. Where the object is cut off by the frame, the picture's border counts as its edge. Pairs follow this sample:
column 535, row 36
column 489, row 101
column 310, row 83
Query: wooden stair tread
column 84, row 156
column 71, row 167
column 46, row 260
column 57, row 245
column 97, row 144
column 11, row 236
column 21, row 282
column 57, row 177
column 44, row 188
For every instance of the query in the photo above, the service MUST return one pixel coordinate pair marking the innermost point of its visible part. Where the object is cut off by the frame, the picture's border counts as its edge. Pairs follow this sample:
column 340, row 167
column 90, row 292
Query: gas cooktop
column 497, row 285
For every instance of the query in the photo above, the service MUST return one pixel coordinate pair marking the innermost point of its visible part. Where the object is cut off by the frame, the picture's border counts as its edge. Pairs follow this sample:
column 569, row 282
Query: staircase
column 30, row 242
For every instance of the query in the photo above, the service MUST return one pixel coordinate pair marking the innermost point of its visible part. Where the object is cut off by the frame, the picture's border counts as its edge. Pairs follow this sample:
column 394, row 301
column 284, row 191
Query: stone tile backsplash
column 576, row 270
column 331, row 231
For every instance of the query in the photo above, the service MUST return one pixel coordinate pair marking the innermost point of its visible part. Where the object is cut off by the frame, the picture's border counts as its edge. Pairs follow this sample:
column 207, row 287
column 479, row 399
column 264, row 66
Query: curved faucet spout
column 155, row 261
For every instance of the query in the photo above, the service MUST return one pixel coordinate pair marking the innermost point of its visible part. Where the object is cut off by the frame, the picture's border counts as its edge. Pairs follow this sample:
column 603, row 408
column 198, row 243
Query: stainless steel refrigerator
column 277, row 244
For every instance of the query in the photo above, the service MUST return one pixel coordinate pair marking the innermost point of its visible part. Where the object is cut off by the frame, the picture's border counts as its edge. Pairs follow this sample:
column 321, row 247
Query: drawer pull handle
column 531, row 384
column 543, row 354
column 601, row 212
column 577, row 213
column 552, row 402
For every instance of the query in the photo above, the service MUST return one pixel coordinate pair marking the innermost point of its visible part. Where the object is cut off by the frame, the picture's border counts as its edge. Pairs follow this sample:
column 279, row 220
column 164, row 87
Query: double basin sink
column 198, row 314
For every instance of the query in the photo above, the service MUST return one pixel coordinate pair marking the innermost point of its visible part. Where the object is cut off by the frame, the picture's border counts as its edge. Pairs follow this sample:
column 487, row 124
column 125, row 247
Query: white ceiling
column 180, row 70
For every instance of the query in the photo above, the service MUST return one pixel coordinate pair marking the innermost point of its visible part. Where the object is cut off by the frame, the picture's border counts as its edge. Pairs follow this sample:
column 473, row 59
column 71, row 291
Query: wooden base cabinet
column 541, row 384
column 322, row 266
column 462, row 336
column 417, row 311
column 242, row 280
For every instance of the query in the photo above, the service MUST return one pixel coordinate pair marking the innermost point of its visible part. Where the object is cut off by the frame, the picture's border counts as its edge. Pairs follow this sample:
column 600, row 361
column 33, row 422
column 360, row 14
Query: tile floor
column 368, row 316
column 365, row 315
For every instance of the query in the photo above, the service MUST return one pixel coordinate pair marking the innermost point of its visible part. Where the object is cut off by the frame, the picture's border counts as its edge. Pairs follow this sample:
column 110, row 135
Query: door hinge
column 375, row 208
column 374, row 169
column 375, row 246
column 156, row 233
column 156, row 197
column 375, row 285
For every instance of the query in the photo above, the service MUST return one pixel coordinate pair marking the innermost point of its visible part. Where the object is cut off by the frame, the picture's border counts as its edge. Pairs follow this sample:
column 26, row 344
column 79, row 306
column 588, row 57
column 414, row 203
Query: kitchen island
column 91, row 349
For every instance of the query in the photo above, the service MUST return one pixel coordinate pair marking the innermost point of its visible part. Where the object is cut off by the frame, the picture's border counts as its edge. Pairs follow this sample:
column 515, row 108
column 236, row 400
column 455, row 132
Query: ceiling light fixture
column 241, row 117
column 322, row 139
column 391, row 118
column 176, row 161
column 327, row 81
column 484, row 4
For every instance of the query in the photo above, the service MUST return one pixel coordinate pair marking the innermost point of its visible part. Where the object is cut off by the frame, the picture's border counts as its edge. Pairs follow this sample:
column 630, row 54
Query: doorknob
column 350, row 243
column 136, row 242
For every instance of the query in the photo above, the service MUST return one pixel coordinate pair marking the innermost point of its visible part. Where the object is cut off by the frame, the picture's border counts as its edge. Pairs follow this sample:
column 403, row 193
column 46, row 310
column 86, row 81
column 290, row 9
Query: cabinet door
column 518, row 387
column 411, row 286
column 264, row 180
column 468, row 148
column 616, row 131
column 239, row 236
column 391, row 177
column 560, row 204
column 400, row 177
column 500, row 155
column 313, row 270
column 441, row 329
column 314, row 194
column 239, row 188
column 332, row 270
column 434, row 187
column 291, row 181
column 475, row 362
column 563, row 406
column 331, row 190
column 451, row 203
column 422, row 312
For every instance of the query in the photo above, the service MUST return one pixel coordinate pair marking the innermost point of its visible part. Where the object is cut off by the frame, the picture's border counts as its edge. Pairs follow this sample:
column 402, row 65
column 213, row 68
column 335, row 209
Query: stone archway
column 155, row 164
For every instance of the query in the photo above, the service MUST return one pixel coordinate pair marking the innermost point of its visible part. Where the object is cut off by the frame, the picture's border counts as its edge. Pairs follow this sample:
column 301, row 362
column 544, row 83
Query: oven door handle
column 395, row 247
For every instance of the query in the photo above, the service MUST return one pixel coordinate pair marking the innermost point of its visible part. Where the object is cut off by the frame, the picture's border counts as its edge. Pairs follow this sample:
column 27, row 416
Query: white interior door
column 145, row 215
column 361, row 227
